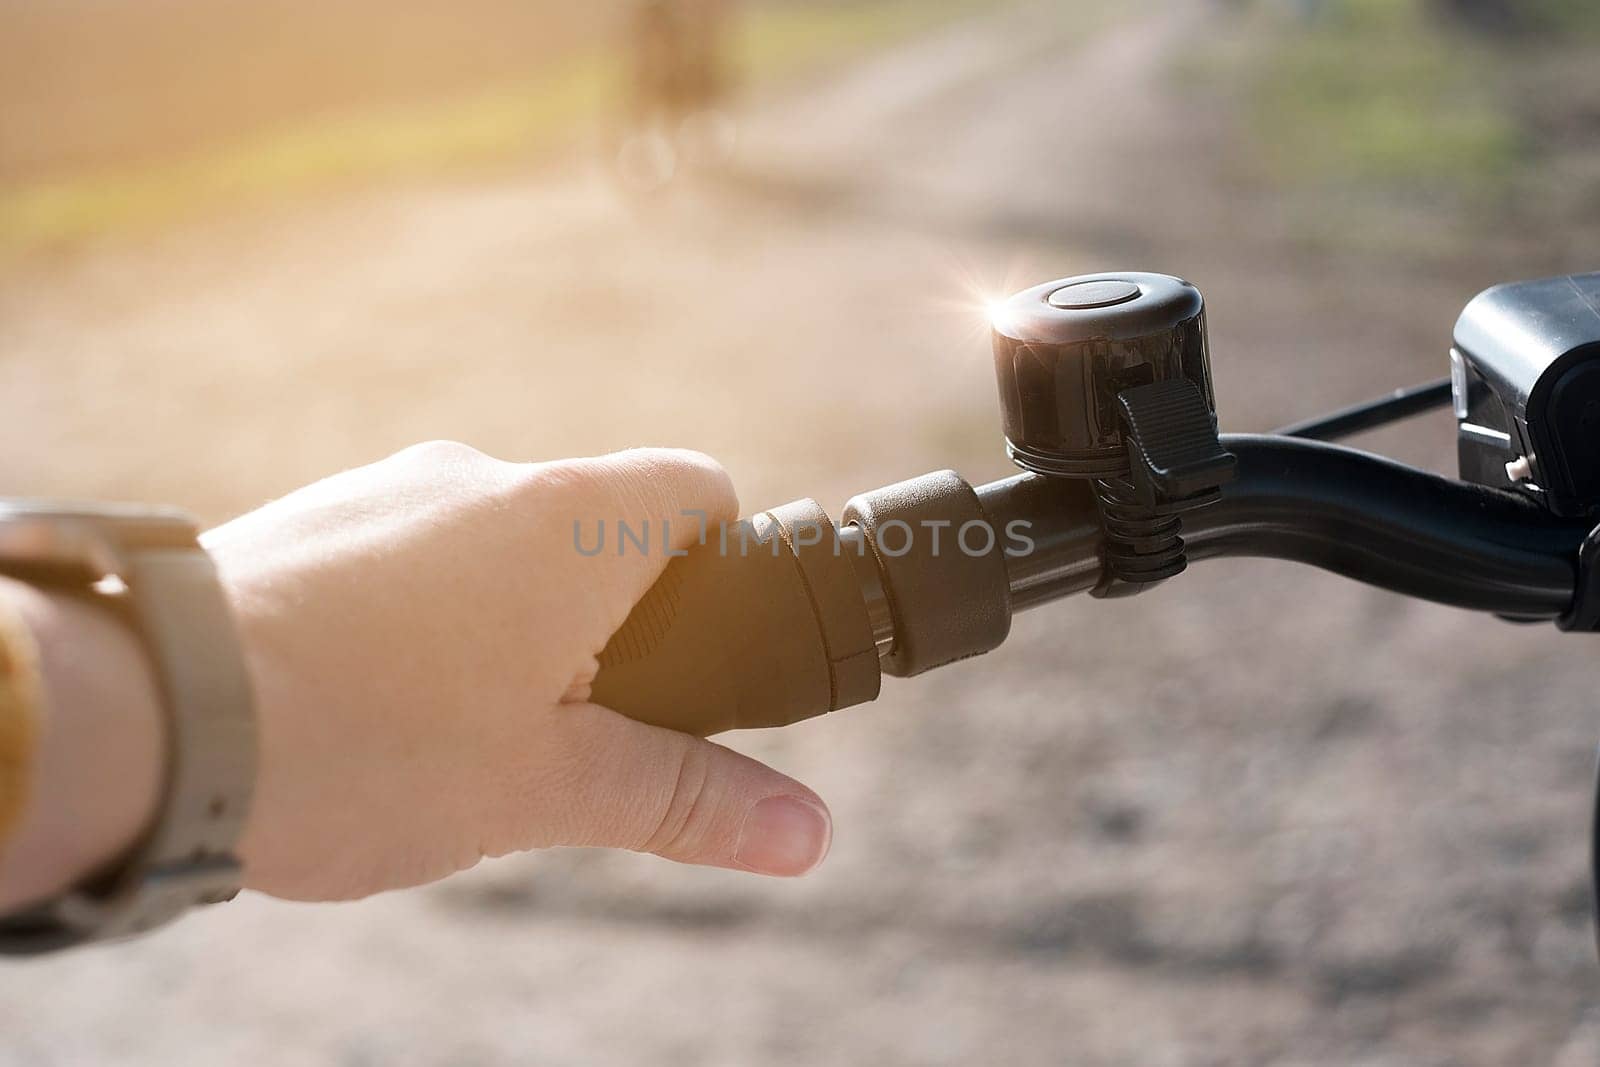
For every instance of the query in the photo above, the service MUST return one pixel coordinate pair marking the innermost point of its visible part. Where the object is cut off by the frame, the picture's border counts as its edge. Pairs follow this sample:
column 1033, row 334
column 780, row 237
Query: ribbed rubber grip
column 752, row 629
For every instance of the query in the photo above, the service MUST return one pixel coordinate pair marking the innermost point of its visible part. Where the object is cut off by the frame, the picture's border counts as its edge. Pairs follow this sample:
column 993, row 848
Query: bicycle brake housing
column 1525, row 377
column 1525, row 381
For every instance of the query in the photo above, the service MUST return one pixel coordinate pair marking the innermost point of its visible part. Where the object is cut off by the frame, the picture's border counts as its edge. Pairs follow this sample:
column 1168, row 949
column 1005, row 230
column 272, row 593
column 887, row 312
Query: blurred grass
column 784, row 41
column 506, row 120
column 1375, row 91
column 503, row 122
column 1580, row 17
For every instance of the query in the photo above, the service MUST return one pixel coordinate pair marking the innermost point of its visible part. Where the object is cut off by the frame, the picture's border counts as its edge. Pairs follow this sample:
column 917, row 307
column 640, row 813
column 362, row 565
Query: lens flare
column 994, row 309
column 979, row 292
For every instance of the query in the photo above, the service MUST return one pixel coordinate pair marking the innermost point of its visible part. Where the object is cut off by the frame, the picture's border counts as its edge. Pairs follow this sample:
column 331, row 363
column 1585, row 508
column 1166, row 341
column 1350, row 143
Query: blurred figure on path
column 680, row 85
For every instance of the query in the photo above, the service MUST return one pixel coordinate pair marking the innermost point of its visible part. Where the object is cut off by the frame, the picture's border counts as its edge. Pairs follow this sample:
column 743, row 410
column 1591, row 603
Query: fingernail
column 784, row 836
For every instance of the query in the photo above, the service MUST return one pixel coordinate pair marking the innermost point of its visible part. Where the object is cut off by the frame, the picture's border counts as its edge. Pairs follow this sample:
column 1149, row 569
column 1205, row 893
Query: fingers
column 649, row 485
column 628, row 514
column 652, row 790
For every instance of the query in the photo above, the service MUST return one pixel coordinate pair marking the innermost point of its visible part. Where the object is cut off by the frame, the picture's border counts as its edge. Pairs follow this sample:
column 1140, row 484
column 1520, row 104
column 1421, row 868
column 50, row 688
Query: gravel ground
column 1260, row 816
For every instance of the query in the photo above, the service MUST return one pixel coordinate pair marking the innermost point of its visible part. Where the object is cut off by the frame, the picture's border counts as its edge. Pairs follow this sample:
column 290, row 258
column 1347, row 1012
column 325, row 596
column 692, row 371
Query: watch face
column 87, row 541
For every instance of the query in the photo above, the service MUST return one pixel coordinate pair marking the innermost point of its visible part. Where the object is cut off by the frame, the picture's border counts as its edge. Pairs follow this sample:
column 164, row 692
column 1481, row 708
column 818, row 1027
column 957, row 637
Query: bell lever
column 1174, row 454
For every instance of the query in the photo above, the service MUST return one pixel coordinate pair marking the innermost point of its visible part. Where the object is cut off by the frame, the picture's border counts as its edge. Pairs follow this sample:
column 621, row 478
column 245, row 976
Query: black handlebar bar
column 802, row 619
column 1393, row 526
column 1350, row 512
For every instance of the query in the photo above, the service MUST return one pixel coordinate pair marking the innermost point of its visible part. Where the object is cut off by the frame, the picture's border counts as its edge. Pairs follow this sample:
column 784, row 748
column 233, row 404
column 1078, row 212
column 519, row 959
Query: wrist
column 99, row 762
column 255, row 613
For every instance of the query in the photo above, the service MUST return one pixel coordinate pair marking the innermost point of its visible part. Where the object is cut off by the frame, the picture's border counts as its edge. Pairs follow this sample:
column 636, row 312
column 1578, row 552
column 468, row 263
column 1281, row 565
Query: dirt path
column 1264, row 817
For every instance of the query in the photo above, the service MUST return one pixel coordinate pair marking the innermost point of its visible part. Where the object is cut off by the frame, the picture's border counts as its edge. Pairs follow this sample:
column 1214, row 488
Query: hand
column 423, row 632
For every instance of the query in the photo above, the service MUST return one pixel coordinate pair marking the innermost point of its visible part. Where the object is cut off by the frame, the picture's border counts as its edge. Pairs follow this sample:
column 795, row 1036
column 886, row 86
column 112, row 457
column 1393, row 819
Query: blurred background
column 1258, row 816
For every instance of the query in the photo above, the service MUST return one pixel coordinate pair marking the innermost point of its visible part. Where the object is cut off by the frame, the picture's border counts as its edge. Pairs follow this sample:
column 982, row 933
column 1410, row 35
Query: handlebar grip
column 950, row 595
column 762, row 625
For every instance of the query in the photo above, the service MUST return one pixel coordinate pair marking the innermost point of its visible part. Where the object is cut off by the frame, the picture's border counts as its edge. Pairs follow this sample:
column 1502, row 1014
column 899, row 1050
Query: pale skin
column 422, row 634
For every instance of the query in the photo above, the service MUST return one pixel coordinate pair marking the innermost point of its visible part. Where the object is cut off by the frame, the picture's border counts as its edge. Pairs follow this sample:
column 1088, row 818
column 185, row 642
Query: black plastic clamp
column 1176, row 463
column 1174, row 454
column 1584, row 615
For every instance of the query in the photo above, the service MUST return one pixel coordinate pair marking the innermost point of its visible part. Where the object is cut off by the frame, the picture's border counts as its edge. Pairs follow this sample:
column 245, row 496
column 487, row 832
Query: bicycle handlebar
column 803, row 622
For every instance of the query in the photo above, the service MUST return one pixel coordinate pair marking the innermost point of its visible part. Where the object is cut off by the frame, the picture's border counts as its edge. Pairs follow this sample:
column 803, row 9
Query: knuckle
column 654, row 483
column 589, row 489
column 688, row 468
column 685, row 811
column 685, row 461
column 442, row 454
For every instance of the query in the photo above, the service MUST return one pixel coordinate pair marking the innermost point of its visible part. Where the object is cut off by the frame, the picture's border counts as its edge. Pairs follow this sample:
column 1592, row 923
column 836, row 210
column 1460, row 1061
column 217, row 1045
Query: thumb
column 692, row 801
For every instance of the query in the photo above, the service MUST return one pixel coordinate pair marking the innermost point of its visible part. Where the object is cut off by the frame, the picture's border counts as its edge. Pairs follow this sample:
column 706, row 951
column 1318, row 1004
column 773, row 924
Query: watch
column 147, row 564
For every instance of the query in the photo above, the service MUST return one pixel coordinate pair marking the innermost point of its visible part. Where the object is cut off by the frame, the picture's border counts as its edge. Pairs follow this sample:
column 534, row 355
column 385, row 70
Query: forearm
column 97, row 768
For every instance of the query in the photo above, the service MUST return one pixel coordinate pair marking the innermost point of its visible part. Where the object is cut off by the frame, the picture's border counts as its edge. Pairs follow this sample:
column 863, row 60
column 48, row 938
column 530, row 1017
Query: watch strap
column 19, row 718
column 187, row 857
